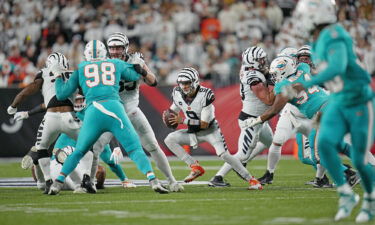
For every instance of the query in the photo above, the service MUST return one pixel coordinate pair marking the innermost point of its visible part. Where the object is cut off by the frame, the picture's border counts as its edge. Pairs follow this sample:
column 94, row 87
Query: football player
column 59, row 117
column 117, row 44
column 257, row 96
column 99, row 80
column 351, row 107
column 291, row 120
column 195, row 101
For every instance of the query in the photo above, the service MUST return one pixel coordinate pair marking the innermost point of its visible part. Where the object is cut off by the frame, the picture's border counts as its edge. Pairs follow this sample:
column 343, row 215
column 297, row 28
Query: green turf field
column 287, row 201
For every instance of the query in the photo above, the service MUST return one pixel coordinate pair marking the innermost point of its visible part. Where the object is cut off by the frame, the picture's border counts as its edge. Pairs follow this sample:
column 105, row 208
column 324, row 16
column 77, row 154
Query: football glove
column 21, row 115
column 11, row 110
column 116, row 155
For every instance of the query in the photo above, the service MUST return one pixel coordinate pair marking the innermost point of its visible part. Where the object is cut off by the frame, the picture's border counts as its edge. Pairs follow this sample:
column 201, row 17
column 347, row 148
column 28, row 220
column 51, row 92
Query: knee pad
column 280, row 136
column 151, row 147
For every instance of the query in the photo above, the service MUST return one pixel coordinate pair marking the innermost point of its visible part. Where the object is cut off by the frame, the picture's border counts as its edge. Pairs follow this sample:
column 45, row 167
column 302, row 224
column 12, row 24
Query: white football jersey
column 130, row 94
column 251, row 104
column 193, row 109
column 48, row 88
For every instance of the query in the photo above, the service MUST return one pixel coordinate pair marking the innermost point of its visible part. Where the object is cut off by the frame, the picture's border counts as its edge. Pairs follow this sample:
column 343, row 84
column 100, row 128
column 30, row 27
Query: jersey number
column 302, row 96
column 106, row 75
column 192, row 115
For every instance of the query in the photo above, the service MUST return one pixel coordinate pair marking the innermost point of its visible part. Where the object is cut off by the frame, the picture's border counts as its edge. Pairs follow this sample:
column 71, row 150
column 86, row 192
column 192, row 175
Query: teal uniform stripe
column 94, row 50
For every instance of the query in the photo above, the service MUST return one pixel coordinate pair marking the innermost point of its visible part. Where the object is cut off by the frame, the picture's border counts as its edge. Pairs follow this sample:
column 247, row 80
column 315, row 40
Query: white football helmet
column 282, row 67
column 304, row 55
column 315, row 12
column 57, row 59
column 254, row 58
column 117, row 39
column 190, row 76
column 79, row 103
column 95, row 50
column 290, row 52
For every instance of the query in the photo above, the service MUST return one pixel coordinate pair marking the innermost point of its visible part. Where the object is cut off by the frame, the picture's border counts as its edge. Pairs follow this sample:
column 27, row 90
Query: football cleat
column 175, row 187
column 322, row 182
column 218, row 181
column 255, row 184
column 48, row 186
column 55, row 188
column 128, row 184
column 267, row 178
column 346, row 204
column 88, row 185
column 367, row 212
column 351, row 176
column 196, row 171
column 157, row 187
column 311, row 182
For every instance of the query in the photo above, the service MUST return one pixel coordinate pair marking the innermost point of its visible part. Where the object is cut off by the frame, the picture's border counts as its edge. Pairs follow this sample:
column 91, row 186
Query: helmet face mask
column 79, row 103
column 118, row 45
column 304, row 55
column 188, row 80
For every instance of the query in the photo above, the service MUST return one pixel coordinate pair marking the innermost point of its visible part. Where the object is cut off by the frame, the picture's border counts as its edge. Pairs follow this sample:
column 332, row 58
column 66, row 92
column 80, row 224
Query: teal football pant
column 107, row 116
column 338, row 120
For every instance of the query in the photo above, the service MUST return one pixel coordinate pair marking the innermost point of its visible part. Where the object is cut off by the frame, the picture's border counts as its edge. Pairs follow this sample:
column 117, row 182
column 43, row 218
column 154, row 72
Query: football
column 168, row 114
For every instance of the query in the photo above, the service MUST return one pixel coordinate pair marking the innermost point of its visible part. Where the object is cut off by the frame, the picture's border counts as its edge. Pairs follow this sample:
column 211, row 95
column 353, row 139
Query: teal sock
column 141, row 160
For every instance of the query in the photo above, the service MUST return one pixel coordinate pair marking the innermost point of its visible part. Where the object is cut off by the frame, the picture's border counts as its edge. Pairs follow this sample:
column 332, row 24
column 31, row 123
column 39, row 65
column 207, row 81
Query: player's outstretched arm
column 25, row 114
column 264, row 93
column 337, row 63
column 65, row 89
column 277, row 106
column 150, row 78
column 29, row 90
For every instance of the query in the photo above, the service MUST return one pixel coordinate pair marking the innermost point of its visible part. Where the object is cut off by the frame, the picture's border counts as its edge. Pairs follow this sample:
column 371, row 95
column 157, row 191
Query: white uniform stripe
column 370, row 125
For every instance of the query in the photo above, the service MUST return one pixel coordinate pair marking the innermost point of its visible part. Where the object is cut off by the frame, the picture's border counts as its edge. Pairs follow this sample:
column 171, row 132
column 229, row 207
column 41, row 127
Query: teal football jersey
column 308, row 101
column 339, row 68
column 99, row 80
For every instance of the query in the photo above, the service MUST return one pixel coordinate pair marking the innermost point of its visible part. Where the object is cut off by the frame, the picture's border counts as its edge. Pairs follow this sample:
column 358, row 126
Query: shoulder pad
column 210, row 97
column 253, row 77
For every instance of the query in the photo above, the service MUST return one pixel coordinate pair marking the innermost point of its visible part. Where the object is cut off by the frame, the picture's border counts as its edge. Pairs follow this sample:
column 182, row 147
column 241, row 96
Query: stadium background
column 208, row 35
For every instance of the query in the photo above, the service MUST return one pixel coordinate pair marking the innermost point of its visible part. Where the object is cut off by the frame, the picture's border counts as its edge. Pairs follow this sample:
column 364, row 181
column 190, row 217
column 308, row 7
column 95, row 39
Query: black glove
column 138, row 68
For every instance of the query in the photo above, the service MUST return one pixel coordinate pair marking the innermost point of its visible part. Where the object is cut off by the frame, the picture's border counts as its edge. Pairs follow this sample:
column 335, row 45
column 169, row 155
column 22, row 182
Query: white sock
column 163, row 164
column 86, row 162
column 39, row 174
column 181, row 153
column 320, row 170
column 44, row 164
column 259, row 148
column 94, row 167
column 224, row 170
column 345, row 189
column 236, row 165
column 274, row 156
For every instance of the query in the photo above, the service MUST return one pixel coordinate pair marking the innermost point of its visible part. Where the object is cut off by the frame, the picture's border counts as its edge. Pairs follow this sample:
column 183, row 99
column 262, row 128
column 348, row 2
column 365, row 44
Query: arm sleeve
column 66, row 89
column 128, row 74
column 208, row 113
column 337, row 62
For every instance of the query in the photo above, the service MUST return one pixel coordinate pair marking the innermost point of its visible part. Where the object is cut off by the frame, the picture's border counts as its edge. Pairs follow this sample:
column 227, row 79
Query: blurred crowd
column 207, row 34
